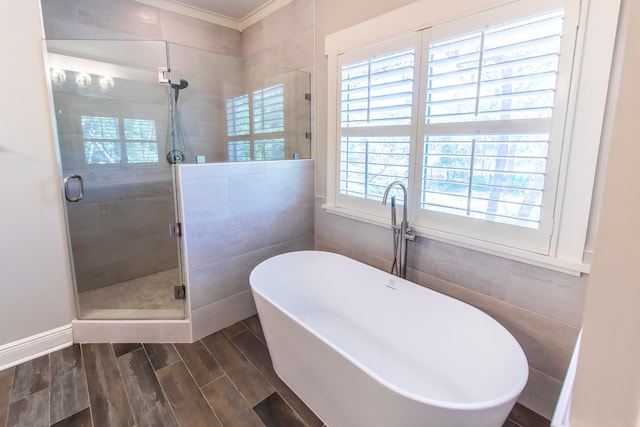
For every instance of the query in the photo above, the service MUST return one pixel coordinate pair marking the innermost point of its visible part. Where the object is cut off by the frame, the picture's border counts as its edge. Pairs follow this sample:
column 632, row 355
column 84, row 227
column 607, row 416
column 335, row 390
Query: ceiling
column 234, row 9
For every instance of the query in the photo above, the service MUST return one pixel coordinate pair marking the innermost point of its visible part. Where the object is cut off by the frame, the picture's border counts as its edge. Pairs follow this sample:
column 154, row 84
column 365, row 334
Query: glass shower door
column 112, row 117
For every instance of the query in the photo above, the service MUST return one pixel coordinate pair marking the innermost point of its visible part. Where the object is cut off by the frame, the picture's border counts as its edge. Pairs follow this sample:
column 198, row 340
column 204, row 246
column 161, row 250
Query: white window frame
column 582, row 130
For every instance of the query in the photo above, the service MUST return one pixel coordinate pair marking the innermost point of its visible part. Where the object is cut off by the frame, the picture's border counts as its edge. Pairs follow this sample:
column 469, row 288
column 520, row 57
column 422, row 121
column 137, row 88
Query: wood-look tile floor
column 225, row 379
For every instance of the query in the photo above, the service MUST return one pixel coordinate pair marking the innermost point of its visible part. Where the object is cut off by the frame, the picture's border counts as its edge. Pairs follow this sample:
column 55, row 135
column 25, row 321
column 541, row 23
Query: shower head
column 182, row 85
column 177, row 87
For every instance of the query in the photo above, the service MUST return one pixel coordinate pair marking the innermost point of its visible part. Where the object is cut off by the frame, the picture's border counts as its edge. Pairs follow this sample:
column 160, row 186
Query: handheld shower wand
column 393, row 211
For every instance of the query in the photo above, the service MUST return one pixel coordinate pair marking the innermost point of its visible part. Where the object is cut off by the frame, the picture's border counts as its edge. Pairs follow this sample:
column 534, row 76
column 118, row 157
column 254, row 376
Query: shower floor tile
column 147, row 297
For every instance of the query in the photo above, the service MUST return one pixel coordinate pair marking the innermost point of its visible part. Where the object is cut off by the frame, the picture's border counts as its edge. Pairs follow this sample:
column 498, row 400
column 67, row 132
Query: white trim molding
column 214, row 18
column 193, row 12
column 29, row 348
column 262, row 12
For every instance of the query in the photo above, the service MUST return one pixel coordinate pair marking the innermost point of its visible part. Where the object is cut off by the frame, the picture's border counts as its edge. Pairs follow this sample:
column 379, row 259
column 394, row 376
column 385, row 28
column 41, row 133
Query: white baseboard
column 16, row 352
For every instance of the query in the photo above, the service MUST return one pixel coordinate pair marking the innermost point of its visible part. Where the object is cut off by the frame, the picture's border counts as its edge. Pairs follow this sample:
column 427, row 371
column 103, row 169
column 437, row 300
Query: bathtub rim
column 513, row 392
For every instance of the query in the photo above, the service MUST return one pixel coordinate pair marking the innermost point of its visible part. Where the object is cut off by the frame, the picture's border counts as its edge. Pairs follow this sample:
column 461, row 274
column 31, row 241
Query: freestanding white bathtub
column 364, row 348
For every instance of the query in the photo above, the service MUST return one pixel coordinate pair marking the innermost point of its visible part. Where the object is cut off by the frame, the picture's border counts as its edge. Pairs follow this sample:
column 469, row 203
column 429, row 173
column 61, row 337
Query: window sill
column 543, row 261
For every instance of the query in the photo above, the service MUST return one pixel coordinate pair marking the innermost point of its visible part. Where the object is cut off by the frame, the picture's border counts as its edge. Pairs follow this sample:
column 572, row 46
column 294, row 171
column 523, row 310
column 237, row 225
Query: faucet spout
column 400, row 234
column 393, row 199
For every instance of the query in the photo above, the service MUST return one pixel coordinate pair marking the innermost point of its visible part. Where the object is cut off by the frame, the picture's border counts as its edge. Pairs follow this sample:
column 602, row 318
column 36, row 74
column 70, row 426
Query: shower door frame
column 144, row 328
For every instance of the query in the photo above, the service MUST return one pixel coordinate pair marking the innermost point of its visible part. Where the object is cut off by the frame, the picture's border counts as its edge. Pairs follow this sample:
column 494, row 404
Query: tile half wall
column 234, row 216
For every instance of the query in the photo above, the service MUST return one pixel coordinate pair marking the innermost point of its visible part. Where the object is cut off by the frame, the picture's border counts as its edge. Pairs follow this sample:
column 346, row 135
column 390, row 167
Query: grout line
column 236, row 334
column 196, row 382
column 250, row 363
column 86, row 383
column 155, row 374
column 224, row 371
column 275, row 389
column 251, row 408
column 213, row 380
column 124, row 387
column 224, row 374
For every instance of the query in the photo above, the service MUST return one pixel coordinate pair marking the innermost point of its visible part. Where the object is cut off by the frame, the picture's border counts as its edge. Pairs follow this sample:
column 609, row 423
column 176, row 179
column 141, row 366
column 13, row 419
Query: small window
column 256, row 125
column 101, row 140
column 239, row 151
column 141, row 141
column 268, row 110
column 238, row 116
column 269, row 149
column 105, row 142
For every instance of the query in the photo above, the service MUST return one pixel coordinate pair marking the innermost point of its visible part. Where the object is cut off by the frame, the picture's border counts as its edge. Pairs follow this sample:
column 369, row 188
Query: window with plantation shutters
column 376, row 109
column 467, row 115
column 489, row 104
column 268, row 109
column 491, row 114
column 255, row 125
column 119, row 141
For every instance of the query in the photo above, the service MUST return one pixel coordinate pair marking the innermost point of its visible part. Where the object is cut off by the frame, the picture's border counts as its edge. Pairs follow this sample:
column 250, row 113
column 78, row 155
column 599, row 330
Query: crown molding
column 193, row 12
column 262, row 12
column 214, row 18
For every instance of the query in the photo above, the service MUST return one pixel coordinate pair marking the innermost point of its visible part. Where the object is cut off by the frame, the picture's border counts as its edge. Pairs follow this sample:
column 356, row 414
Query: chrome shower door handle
column 67, row 193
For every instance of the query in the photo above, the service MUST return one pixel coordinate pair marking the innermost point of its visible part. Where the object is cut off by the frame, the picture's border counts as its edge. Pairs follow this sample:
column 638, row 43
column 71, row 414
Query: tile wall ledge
column 543, row 261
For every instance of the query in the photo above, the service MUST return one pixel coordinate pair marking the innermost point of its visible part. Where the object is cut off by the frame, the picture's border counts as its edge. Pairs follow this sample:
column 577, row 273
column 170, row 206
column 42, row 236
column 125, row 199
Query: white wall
column 36, row 281
column 607, row 387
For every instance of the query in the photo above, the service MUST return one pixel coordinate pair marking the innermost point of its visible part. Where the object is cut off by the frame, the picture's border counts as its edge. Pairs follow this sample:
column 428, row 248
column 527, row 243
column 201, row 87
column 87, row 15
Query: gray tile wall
column 277, row 45
column 541, row 308
column 207, row 55
column 213, row 78
column 120, row 230
column 130, row 20
column 219, row 63
column 286, row 35
column 236, row 215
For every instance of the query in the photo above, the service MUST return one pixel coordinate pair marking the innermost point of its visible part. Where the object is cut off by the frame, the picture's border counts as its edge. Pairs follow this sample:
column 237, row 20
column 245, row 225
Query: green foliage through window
column 137, row 139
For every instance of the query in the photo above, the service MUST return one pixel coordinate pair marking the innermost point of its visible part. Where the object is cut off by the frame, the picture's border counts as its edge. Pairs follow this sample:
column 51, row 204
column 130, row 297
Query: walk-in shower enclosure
column 118, row 120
